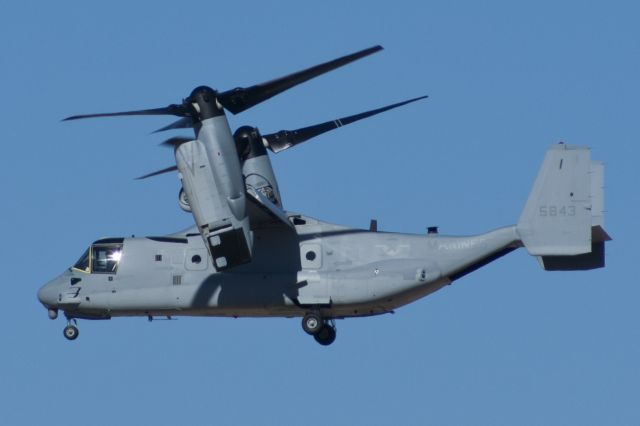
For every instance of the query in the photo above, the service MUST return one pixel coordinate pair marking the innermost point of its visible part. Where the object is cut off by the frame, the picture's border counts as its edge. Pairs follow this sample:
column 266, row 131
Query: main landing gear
column 323, row 330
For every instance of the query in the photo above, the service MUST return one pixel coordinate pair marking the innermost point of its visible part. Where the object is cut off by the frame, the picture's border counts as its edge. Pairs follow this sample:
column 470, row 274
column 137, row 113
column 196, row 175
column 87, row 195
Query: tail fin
column 562, row 221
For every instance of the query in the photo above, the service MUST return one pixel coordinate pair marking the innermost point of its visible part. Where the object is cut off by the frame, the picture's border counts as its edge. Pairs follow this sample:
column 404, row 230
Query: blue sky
column 509, row 344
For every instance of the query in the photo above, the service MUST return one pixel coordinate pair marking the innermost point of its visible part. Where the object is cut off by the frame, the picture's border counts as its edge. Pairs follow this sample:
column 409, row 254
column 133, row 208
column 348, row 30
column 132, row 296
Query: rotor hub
column 249, row 143
column 204, row 100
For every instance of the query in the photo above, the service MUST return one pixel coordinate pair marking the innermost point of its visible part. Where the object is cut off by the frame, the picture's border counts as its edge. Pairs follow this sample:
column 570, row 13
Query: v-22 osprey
column 246, row 256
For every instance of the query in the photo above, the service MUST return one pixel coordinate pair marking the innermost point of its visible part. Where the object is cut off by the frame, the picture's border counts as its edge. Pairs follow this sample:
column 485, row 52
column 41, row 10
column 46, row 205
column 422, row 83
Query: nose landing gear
column 322, row 330
column 71, row 332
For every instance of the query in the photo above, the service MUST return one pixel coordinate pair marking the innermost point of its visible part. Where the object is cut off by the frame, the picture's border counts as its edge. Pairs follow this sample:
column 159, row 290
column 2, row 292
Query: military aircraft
column 246, row 256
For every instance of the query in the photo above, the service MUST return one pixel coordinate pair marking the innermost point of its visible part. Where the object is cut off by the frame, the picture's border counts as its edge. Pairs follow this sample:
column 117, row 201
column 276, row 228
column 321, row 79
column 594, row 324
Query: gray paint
column 557, row 217
column 352, row 272
column 360, row 273
column 213, row 182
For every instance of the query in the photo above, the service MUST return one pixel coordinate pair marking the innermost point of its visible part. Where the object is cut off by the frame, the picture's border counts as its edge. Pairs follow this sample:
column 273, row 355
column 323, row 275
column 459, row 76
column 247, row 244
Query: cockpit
column 103, row 257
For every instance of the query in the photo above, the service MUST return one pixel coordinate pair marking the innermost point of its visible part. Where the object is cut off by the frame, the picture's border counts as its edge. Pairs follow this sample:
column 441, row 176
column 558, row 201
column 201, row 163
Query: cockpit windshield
column 83, row 263
column 100, row 258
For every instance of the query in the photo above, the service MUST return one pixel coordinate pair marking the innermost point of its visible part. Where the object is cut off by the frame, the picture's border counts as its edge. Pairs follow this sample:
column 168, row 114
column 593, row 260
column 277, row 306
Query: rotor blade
column 173, row 109
column 175, row 141
column 159, row 172
column 183, row 123
column 287, row 138
column 241, row 98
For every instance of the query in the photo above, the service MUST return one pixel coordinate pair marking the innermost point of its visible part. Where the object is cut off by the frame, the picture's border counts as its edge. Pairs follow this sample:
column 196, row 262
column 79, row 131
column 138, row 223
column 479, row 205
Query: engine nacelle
column 256, row 165
column 214, row 192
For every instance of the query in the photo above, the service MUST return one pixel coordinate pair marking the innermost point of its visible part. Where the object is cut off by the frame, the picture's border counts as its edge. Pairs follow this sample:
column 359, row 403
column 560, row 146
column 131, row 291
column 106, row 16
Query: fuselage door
column 314, row 289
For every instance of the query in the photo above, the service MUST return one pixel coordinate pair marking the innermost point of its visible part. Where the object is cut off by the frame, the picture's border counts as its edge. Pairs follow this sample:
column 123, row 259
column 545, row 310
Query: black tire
column 326, row 335
column 312, row 323
column 71, row 332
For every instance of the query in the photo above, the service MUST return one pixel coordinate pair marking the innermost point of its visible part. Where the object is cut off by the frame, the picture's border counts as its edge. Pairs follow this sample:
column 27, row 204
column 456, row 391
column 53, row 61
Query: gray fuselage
column 339, row 271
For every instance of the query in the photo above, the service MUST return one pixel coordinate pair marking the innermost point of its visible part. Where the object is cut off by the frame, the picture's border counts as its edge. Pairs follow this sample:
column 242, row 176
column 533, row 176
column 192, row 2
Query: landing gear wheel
column 71, row 332
column 312, row 323
column 326, row 335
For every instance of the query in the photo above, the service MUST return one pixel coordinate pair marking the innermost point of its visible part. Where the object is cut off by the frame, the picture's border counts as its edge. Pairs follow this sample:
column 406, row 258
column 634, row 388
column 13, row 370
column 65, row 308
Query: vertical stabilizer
column 562, row 221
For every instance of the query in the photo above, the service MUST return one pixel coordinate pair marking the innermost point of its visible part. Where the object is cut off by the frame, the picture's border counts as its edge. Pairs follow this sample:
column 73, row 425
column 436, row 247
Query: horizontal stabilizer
column 580, row 262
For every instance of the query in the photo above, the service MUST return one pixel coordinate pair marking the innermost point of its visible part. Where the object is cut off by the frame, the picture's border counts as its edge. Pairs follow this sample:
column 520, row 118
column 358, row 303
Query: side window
column 105, row 258
column 311, row 256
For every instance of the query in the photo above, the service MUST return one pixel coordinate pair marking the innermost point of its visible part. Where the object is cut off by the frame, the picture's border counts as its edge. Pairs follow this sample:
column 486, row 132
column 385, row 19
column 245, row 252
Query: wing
column 264, row 214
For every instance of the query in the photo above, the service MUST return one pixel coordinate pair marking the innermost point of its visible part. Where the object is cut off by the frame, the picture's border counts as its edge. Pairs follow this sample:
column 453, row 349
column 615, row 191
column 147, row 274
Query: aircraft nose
column 48, row 294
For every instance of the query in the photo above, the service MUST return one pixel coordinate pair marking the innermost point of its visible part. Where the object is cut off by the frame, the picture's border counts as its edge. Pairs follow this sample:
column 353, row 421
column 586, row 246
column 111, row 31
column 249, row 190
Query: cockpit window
column 100, row 258
column 105, row 257
column 83, row 263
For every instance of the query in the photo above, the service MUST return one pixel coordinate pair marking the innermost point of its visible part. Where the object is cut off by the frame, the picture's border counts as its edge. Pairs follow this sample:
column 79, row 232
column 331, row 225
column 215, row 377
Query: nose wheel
column 71, row 331
column 322, row 330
